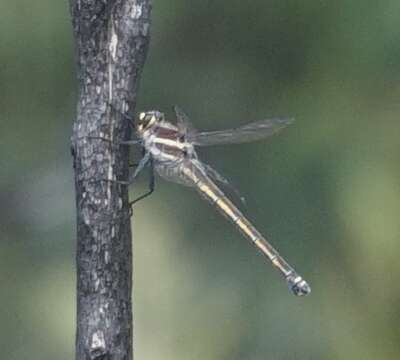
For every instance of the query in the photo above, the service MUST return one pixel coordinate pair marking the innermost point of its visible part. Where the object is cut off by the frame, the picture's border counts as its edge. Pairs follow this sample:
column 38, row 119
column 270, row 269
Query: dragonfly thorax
column 165, row 142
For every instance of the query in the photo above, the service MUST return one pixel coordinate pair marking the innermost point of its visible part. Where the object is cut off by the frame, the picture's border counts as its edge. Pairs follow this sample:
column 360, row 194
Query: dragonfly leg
column 142, row 163
column 151, row 186
column 217, row 176
column 139, row 167
column 126, row 142
column 103, row 138
column 130, row 119
column 136, row 164
column 130, row 142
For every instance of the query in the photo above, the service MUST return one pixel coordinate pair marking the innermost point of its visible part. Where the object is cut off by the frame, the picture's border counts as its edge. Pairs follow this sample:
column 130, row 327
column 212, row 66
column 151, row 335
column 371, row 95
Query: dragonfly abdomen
column 216, row 197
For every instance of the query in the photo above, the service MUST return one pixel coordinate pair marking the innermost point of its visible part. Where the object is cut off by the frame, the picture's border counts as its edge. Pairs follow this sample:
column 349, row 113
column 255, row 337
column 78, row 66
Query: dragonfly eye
column 149, row 119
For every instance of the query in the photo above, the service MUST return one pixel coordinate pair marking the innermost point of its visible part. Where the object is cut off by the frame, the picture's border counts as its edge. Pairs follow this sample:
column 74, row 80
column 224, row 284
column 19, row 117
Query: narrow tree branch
column 111, row 39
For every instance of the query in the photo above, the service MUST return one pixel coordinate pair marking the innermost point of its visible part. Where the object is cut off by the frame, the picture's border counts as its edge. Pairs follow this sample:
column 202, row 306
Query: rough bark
column 111, row 40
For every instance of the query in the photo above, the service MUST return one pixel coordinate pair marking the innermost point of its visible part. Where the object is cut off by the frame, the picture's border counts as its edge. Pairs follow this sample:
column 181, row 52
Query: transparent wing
column 212, row 173
column 183, row 121
column 175, row 173
column 250, row 132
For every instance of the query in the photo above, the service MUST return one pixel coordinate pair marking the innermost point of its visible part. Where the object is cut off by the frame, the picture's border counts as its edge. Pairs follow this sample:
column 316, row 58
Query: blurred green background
column 326, row 190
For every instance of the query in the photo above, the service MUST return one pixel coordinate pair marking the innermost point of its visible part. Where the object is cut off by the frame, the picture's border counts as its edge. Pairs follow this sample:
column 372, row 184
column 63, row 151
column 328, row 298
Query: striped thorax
column 162, row 139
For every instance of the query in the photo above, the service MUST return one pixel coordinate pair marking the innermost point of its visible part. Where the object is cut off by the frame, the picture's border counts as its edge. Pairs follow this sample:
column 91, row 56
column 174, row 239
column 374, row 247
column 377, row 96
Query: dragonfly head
column 148, row 120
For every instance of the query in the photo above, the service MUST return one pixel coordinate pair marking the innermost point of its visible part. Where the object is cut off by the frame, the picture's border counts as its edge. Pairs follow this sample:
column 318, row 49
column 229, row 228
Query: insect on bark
column 170, row 150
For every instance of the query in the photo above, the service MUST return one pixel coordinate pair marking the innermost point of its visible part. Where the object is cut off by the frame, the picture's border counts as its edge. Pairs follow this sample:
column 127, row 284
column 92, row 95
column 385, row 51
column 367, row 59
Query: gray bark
column 111, row 41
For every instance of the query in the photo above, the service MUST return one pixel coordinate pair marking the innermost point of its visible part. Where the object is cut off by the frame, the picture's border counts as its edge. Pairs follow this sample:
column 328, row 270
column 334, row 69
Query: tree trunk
column 111, row 40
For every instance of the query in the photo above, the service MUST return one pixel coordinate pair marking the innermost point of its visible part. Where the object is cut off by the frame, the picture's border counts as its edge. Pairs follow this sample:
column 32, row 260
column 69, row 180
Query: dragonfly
column 170, row 149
